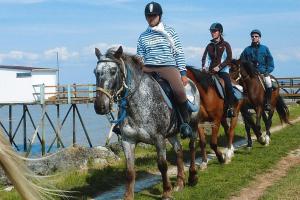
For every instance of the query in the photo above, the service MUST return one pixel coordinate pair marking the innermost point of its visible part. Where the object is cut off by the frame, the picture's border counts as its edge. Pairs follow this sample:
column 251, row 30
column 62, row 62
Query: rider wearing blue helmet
column 217, row 56
column 261, row 57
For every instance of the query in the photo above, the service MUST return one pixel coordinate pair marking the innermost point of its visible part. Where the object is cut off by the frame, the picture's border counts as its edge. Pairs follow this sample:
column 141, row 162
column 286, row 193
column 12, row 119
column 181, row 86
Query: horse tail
column 282, row 110
column 25, row 182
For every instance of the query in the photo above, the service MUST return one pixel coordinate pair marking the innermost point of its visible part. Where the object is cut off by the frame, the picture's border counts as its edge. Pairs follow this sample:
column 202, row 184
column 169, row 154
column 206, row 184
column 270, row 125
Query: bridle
column 124, row 92
column 115, row 96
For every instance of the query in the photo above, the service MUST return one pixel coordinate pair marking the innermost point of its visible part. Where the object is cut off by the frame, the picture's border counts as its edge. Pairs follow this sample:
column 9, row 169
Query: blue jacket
column 261, row 56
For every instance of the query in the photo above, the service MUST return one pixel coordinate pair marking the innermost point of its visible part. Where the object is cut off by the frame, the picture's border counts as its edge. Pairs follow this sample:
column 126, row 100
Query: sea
column 97, row 126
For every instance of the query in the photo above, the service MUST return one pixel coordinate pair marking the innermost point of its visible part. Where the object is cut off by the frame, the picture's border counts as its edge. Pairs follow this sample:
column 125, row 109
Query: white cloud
column 18, row 55
column 63, row 53
column 90, row 49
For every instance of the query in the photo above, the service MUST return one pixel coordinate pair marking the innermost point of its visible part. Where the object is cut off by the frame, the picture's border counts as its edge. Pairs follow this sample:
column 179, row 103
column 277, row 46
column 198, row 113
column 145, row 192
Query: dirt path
column 262, row 182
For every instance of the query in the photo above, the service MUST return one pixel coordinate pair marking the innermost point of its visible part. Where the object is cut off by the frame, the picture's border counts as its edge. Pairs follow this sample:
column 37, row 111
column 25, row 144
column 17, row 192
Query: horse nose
column 100, row 107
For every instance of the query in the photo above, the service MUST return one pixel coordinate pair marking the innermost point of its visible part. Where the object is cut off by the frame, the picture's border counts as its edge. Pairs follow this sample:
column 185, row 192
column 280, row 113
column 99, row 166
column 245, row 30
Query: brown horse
column 255, row 93
column 212, row 108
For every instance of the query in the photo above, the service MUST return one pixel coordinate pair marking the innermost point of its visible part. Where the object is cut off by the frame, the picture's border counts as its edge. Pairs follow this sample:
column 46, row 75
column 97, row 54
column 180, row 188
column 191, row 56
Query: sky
column 33, row 31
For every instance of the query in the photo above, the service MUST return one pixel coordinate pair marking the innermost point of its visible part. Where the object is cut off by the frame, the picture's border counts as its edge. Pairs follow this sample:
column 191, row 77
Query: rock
column 69, row 158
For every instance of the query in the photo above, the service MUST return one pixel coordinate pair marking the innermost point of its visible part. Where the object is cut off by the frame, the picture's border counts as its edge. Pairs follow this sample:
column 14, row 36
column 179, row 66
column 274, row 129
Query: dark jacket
column 217, row 53
column 260, row 56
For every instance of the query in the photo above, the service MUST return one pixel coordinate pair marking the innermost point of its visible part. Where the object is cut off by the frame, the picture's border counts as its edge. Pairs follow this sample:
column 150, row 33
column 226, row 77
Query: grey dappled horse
column 119, row 77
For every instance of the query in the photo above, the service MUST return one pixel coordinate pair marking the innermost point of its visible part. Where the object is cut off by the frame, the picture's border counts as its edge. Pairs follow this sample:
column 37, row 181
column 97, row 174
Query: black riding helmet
column 216, row 26
column 153, row 8
column 255, row 31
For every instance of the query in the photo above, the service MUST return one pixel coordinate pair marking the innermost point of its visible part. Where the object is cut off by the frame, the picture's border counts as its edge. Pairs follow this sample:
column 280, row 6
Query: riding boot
column 185, row 110
column 268, row 99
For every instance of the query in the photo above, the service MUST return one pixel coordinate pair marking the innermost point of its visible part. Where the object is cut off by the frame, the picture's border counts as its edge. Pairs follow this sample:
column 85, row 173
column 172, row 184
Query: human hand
column 184, row 80
column 216, row 69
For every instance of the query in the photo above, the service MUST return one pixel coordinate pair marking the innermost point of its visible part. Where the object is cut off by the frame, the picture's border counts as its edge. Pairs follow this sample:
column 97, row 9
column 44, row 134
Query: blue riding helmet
column 153, row 8
column 255, row 31
column 216, row 26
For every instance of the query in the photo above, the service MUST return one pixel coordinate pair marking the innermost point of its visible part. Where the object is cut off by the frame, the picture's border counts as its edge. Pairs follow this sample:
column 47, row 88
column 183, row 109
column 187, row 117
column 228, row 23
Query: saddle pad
column 219, row 87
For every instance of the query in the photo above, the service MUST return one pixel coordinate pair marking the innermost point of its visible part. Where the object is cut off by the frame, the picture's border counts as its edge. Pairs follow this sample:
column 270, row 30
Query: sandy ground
column 257, row 187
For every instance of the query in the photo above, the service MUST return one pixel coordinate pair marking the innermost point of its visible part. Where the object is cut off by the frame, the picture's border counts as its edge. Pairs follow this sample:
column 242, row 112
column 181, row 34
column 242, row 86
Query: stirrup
column 267, row 107
column 230, row 113
column 185, row 130
column 191, row 107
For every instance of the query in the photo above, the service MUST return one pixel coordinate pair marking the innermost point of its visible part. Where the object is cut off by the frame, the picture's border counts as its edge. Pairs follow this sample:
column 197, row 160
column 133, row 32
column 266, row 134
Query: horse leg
column 248, row 131
column 249, row 122
column 225, row 126
column 163, row 167
column 193, row 178
column 202, row 142
column 179, row 161
column 262, row 139
column 128, row 149
column 230, row 149
column 214, row 142
column 268, row 121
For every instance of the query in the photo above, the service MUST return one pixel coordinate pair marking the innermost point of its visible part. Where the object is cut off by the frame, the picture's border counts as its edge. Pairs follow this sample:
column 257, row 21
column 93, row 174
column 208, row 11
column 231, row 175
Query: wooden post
column 24, row 128
column 42, row 93
column 58, row 128
column 43, row 130
column 74, row 125
column 69, row 94
column 10, row 124
column 91, row 92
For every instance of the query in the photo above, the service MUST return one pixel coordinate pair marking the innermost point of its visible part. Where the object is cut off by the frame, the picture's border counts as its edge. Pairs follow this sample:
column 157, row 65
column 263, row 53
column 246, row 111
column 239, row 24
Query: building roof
column 27, row 68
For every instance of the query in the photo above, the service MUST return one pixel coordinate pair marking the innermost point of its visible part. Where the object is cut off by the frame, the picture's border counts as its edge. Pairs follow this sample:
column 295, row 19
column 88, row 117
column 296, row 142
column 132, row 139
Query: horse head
column 110, row 76
column 242, row 69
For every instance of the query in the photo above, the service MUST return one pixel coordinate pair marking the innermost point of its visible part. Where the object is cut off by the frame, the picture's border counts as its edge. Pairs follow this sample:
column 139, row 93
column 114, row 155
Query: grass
column 217, row 180
column 221, row 181
column 286, row 188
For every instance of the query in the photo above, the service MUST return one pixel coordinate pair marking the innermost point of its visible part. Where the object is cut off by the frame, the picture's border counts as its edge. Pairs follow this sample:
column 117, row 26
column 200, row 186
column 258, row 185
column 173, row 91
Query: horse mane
column 249, row 68
column 132, row 60
column 203, row 78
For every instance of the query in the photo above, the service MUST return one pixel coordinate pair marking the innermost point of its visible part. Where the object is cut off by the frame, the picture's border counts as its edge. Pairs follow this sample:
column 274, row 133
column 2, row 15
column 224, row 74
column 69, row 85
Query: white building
column 18, row 83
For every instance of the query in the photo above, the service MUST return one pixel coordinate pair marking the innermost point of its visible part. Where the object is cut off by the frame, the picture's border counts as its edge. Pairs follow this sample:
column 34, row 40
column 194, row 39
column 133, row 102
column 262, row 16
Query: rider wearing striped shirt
column 161, row 51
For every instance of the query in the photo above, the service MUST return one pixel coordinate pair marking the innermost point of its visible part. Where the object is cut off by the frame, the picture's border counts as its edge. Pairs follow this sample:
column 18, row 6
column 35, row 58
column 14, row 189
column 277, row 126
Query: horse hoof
column 268, row 140
column 203, row 166
column 221, row 158
column 229, row 155
column 178, row 188
column 193, row 181
column 167, row 198
column 262, row 140
column 249, row 148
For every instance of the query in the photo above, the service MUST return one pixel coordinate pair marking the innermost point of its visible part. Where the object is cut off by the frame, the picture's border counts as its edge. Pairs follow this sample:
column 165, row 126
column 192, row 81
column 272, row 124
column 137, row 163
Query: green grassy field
column 218, row 182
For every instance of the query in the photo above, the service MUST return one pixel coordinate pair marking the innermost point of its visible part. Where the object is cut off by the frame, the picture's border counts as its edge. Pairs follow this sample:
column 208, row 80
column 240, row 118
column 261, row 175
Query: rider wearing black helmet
column 261, row 57
column 160, row 49
column 217, row 56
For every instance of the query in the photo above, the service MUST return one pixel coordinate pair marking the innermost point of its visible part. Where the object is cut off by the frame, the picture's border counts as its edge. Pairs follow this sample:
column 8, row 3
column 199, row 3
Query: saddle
column 273, row 81
column 165, row 89
column 219, row 85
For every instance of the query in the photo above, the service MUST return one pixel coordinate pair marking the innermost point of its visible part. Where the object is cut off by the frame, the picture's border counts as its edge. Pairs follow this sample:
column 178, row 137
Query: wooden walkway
column 289, row 87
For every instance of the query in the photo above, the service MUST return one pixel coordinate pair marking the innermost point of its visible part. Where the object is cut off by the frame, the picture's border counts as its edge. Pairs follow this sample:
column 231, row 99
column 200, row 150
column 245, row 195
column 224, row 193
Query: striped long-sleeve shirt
column 156, row 50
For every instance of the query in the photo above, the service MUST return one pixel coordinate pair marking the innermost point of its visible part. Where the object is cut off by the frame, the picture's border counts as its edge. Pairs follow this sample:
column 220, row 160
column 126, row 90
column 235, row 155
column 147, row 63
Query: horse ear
column 98, row 53
column 119, row 52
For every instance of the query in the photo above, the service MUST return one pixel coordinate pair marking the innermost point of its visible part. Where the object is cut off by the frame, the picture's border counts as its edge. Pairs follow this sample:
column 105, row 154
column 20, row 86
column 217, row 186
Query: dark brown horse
column 212, row 110
column 255, row 93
